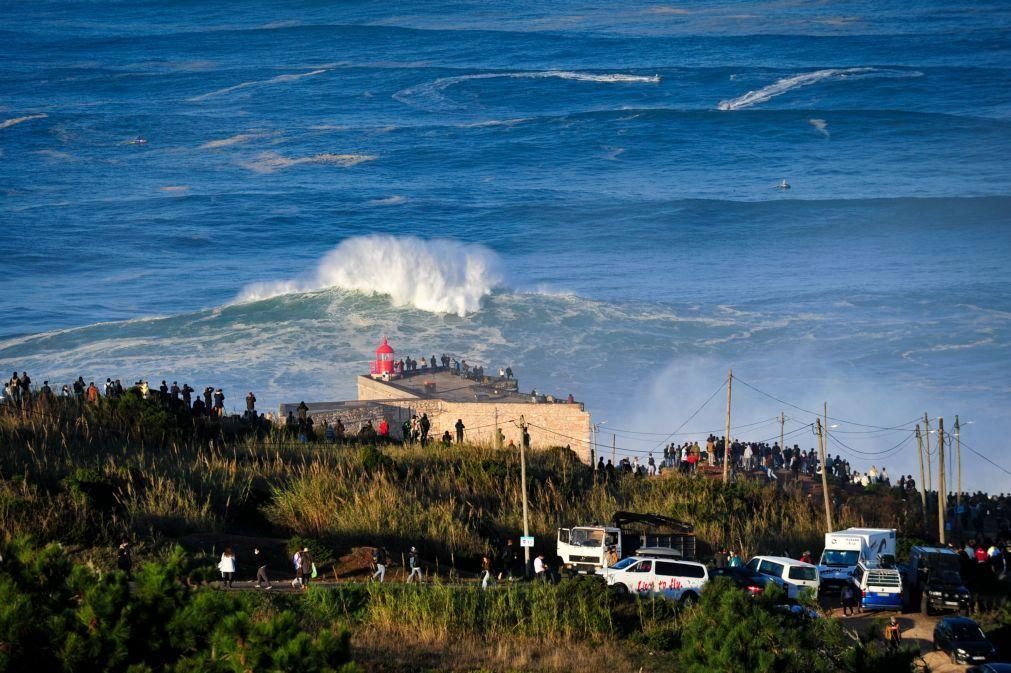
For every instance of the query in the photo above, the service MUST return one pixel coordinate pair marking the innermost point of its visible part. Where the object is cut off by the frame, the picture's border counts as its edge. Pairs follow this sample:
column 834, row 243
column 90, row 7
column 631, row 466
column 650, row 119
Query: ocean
column 252, row 195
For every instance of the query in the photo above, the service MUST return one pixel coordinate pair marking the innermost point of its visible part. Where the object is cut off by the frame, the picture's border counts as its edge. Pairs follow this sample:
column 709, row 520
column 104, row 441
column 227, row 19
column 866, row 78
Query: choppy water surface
column 584, row 191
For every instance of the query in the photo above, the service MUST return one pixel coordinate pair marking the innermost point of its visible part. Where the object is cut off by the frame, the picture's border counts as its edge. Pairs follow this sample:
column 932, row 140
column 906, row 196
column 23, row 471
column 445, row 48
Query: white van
column 677, row 580
column 791, row 574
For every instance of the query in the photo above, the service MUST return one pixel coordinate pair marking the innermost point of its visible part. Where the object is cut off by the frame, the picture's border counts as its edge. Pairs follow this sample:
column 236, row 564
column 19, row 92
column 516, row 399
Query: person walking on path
column 227, row 567
column 893, row 634
column 379, row 559
column 262, row 580
column 306, row 567
column 485, row 572
column 459, row 430
column 848, row 604
column 415, row 564
column 124, row 559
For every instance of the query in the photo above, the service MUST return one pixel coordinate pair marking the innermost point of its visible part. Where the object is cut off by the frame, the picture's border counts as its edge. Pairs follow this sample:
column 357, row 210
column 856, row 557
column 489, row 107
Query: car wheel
column 690, row 598
column 620, row 589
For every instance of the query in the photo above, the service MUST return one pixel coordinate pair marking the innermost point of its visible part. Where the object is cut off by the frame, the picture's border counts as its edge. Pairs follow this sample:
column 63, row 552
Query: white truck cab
column 587, row 549
column 677, row 580
column 844, row 549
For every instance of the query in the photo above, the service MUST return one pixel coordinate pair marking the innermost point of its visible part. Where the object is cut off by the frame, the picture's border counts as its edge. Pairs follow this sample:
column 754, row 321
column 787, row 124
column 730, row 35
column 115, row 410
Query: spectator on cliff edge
column 303, row 411
column 459, row 430
column 251, row 404
column 384, row 428
column 447, row 439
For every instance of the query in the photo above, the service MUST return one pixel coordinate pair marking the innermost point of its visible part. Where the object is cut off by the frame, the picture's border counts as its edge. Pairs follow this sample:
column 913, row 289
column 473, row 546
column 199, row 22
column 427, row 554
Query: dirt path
column 916, row 627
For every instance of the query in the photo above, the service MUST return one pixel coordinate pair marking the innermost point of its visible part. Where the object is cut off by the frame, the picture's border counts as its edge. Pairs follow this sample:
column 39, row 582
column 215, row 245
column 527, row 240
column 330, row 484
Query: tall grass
column 90, row 478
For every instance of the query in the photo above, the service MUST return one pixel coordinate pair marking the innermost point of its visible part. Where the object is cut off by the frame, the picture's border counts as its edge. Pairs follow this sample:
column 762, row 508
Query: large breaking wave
column 439, row 276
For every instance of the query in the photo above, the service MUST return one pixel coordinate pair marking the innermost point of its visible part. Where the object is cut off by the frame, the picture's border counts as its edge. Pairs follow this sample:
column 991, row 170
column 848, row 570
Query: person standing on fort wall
column 459, row 430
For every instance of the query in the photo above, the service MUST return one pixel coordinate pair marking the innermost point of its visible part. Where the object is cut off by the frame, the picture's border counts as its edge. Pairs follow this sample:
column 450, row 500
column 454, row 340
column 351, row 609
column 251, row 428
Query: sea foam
column 439, row 276
column 434, row 89
column 786, row 84
column 7, row 123
column 280, row 79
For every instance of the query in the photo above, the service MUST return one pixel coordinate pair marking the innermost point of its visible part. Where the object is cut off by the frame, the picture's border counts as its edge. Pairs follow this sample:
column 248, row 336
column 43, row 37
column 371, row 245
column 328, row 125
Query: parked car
column 793, row 575
column 963, row 640
column 743, row 578
column 878, row 585
column 678, row 580
column 933, row 582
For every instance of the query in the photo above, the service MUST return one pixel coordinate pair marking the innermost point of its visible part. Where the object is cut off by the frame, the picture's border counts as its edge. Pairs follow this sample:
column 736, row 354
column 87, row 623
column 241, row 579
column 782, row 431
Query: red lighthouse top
column 382, row 366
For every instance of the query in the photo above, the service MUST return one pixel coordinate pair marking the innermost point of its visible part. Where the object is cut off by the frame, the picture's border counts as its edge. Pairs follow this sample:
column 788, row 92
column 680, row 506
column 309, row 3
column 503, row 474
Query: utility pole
column 498, row 442
column 942, row 491
column 726, row 442
column 923, row 483
column 824, row 477
column 958, row 461
column 926, row 435
column 825, row 411
column 614, row 448
column 523, row 486
column 782, row 422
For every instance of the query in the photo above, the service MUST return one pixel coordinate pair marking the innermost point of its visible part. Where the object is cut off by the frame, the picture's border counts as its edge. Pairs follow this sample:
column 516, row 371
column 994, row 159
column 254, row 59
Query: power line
column 1002, row 469
column 694, row 414
column 819, row 415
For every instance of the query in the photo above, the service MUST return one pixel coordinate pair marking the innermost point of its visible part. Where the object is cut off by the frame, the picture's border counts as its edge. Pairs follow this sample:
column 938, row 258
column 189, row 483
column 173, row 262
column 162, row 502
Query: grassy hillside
column 90, row 476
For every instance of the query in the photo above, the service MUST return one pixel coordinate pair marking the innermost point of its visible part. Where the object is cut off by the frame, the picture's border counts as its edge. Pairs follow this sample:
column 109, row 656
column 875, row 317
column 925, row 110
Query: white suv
column 677, row 580
column 791, row 574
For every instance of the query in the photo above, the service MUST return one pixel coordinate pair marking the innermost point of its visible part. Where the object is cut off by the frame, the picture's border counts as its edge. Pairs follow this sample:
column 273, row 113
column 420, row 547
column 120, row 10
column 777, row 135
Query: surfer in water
column 784, row 185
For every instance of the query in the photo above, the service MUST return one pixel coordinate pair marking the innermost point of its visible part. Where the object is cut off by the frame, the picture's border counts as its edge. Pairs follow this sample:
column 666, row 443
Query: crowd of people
column 18, row 394
column 408, row 366
column 771, row 461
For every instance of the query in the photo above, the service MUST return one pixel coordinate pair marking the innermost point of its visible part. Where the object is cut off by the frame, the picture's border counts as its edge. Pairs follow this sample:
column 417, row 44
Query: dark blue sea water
column 584, row 190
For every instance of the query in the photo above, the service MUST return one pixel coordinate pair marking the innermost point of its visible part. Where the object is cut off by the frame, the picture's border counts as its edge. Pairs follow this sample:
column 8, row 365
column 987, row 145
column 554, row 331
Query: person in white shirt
column 539, row 570
column 227, row 567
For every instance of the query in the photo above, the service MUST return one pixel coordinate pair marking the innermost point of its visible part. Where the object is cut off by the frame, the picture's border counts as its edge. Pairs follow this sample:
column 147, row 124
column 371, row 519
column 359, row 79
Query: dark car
column 933, row 582
column 742, row 578
column 963, row 640
column 990, row 668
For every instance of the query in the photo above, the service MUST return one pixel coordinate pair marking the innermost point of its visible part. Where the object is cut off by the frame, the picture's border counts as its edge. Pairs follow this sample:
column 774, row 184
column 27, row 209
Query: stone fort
column 484, row 404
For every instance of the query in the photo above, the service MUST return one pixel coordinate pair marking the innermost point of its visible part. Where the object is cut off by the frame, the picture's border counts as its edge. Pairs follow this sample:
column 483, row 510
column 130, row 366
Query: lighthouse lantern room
column 382, row 366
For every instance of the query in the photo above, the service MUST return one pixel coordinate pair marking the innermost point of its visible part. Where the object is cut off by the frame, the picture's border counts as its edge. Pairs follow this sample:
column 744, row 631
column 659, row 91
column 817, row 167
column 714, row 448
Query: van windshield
column 624, row 563
column 839, row 557
column 586, row 537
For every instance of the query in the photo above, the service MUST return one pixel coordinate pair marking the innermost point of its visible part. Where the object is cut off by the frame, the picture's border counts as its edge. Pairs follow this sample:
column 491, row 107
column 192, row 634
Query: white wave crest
column 433, row 90
column 440, row 276
column 394, row 200
column 280, row 79
column 821, row 125
column 779, row 87
column 268, row 162
column 228, row 142
column 7, row 123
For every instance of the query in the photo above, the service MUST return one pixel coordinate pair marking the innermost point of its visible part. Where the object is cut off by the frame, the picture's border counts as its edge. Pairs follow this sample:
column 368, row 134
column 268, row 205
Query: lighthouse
column 382, row 366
